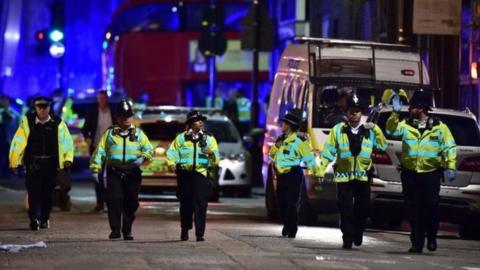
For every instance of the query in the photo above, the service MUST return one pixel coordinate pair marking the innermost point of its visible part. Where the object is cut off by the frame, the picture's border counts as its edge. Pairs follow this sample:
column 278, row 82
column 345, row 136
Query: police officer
column 123, row 148
column 43, row 144
column 427, row 145
column 288, row 153
column 193, row 155
column 351, row 144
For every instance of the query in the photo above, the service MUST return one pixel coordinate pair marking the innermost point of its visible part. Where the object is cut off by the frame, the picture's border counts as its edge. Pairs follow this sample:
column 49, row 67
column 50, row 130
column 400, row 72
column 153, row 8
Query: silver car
column 163, row 123
column 459, row 200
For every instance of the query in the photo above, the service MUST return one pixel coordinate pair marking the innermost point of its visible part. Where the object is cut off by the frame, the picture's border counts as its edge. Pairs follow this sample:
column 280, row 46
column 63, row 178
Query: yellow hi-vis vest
column 347, row 166
column 293, row 151
column 19, row 144
column 243, row 108
column 121, row 151
column 425, row 152
column 182, row 151
column 217, row 102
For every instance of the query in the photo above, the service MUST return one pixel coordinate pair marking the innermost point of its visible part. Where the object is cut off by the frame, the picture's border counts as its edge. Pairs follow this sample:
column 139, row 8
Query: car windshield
column 464, row 130
column 223, row 131
column 166, row 131
column 162, row 130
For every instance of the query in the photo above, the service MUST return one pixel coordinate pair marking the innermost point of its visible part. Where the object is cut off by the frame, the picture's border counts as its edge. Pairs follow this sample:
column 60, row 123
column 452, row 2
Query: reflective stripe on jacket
column 181, row 152
column 118, row 150
column 19, row 144
column 294, row 151
column 425, row 152
column 347, row 166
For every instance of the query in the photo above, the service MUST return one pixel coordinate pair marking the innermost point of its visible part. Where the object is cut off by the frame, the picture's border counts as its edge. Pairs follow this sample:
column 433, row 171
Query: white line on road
column 354, row 260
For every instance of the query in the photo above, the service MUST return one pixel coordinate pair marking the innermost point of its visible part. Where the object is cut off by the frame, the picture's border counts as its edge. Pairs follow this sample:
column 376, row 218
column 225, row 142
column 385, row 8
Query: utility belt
column 122, row 172
column 35, row 163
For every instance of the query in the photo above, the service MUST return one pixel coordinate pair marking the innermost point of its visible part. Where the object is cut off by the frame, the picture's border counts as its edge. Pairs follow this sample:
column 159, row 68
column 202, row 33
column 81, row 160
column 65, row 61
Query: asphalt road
column 238, row 237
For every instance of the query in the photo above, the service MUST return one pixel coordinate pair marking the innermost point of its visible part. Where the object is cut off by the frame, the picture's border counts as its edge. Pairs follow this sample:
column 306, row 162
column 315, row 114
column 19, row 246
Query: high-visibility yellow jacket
column 243, row 108
column 425, row 152
column 184, row 152
column 20, row 140
column 292, row 152
column 349, row 167
column 117, row 150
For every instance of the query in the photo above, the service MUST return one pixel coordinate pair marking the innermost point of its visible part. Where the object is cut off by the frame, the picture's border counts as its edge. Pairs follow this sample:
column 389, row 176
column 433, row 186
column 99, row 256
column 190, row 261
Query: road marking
column 353, row 260
column 470, row 268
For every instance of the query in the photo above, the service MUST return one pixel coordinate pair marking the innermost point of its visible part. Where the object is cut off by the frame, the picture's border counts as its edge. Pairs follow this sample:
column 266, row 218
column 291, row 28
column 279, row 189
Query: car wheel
column 271, row 198
column 306, row 214
column 469, row 231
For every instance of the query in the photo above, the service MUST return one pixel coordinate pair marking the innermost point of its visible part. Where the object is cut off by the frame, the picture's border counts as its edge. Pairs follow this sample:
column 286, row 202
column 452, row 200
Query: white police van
column 317, row 75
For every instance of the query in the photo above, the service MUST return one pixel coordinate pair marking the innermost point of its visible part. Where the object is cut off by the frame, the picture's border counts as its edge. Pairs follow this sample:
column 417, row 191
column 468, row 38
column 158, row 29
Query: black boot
column 34, row 224
column 114, row 235
column 184, row 235
column 45, row 224
column 358, row 240
column 127, row 236
column 284, row 231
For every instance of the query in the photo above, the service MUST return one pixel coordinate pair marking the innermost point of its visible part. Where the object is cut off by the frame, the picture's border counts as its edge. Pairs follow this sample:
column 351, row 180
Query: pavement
column 238, row 236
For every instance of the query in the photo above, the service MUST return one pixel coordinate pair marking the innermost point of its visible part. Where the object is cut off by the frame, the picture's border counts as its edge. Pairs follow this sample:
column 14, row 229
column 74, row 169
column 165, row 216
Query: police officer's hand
column 67, row 165
column 172, row 167
column 139, row 161
column 451, row 175
column 207, row 151
column 396, row 103
column 95, row 177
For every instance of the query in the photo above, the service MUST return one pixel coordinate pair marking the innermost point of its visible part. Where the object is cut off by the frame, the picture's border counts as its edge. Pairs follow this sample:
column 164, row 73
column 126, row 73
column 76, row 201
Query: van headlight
column 238, row 157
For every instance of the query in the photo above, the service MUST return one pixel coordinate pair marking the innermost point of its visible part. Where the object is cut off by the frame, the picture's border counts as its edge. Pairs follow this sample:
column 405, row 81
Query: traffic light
column 212, row 41
column 57, row 26
column 43, row 43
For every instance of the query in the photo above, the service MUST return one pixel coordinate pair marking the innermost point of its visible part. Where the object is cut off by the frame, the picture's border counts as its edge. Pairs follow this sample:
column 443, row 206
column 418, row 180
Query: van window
column 464, row 130
column 290, row 97
column 331, row 104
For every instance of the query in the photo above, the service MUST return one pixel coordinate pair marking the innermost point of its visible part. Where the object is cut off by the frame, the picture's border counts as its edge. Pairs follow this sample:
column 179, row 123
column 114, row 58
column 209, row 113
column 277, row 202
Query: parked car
column 161, row 124
column 459, row 200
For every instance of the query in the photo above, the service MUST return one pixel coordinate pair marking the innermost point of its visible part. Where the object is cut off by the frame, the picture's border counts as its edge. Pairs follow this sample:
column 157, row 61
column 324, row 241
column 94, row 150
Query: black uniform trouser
column 421, row 192
column 353, row 202
column 40, row 182
column 288, row 196
column 122, row 197
column 193, row 191
column 100, row 190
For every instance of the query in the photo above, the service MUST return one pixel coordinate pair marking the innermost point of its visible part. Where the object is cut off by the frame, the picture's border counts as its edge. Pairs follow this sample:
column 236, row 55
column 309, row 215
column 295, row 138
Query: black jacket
column 91, row 121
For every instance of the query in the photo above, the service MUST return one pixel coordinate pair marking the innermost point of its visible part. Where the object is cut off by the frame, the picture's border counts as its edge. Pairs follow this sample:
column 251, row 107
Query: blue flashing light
column 70, row 91
column 104, row 44
column 19, row 101
column 55, row 35
column 174, row 9
column 111, row 70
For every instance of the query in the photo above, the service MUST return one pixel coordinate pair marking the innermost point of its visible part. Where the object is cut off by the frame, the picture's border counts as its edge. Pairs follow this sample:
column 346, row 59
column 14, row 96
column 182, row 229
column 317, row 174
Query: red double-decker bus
column 151, row 47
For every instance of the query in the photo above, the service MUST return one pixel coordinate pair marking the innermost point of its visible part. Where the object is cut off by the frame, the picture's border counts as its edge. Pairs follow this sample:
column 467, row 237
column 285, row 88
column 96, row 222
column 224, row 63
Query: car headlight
column 238, row 157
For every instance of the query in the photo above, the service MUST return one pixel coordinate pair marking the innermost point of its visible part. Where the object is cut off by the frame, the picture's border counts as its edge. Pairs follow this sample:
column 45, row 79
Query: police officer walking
column 351, row 144
column 427, row 145
column 193, row 155
column 287, row 154
column 43, row 144
column 123, row 148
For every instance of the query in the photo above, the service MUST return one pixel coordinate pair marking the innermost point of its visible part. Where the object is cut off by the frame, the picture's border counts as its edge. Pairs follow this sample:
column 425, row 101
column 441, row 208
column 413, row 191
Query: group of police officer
column 428, row 149
column 43, row 144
